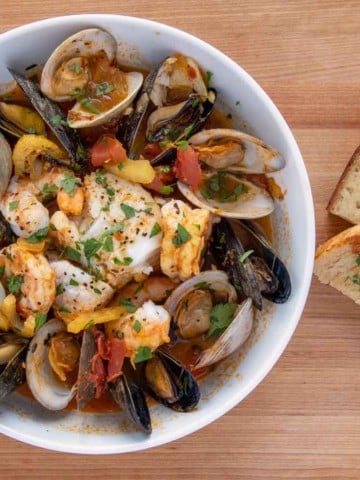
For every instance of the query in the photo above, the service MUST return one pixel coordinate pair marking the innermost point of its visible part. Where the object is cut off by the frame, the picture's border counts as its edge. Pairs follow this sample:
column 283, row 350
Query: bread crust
column 335, row 200
column 350, row 236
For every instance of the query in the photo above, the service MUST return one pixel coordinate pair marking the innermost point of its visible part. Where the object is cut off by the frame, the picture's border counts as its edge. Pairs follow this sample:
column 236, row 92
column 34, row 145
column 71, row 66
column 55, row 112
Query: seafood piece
column 82, row 67
column 5, row 164
column 148, row 327
column 86, row 388
column 227, row 195
column 233, row 337
column 185, row 233
column 18, row 120
column 44, row 383
column 234, row 151
column 6, row 234
column 22, row 206
column 12, row 356
column 55, row 119
column 271, row 273
column 29, row 276
column 128, row 394
column 176, row 79
column 170, row 383
column 228, row 253
column 190, row 304
column 120, row 240
column 78, row 291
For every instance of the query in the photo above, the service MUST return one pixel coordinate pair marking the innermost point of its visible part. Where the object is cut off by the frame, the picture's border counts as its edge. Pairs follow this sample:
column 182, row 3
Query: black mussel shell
column 6, row 234
column 185, row 387
column 49, row 110
column 256, row 240
column 227, row 251
column 13, row 373
column 131, row 125
column 86, row 388
column 131, row 398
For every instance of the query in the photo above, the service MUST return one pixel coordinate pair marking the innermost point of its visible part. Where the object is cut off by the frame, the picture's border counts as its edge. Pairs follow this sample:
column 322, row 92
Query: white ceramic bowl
column 145, row 43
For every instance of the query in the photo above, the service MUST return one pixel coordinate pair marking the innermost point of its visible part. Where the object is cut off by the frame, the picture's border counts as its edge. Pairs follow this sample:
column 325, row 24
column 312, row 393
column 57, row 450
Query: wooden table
column 303, row 421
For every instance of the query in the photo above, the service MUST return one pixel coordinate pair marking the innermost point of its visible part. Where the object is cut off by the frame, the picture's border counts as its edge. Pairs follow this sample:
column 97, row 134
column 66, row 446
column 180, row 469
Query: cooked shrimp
column 119, row 240
column 182, row 246
column 147, row 327
column 22, row 205
column 77, row 291
column 30, row 276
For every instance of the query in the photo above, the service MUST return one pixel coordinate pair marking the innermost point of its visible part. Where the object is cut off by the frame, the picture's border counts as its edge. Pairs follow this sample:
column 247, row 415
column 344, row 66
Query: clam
column 82, row 67
column 12, row 356
column 233, row 337
column 166, row 380
column 52, row 354
column 191, row 302
column 235, row 151
column 227, row 195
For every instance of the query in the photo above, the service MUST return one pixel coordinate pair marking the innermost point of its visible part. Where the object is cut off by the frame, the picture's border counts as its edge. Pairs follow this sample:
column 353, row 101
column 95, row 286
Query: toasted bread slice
column 337, row 262
column 345, row 201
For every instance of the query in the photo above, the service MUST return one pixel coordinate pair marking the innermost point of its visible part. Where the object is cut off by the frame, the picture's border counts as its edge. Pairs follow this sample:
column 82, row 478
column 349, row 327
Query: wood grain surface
column 303, row 421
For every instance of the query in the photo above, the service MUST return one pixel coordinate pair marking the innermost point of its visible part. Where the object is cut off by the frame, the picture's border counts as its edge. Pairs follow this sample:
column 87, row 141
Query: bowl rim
column 309, row 238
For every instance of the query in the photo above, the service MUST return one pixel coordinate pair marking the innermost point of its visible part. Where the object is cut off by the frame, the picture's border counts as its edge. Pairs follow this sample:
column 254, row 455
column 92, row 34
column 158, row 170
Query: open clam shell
column 233, row 337
column 66, row 75
column 243, row 199
column 42, row 381
column 235, row 151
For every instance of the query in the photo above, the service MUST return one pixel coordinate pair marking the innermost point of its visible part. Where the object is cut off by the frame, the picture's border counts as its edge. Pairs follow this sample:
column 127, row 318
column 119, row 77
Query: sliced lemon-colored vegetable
column 28, row 151
column 8, row 310
column 23, row 117
column 31, row 247
column 139, row 171
column 78, row 322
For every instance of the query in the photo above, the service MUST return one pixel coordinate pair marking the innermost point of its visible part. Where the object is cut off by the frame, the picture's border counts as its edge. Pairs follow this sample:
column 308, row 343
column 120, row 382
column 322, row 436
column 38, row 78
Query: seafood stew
column 123, row 231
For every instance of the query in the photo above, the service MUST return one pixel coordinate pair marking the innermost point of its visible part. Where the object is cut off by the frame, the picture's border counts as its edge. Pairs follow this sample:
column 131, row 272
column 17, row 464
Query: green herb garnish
column 129, row 212
column 72, row 254
column 156, row 229
column 220, row 317
column 76, row 68
column 104, row 89
column 73, row 282
column 127, row 303
column 182, row 236
column 13, row 205
column 137, row 326
column 143, row 353
column 166, row 190
column 14, row 283
column 245, row 255
column 38, row 236
column 57, row 120
column 69, row 183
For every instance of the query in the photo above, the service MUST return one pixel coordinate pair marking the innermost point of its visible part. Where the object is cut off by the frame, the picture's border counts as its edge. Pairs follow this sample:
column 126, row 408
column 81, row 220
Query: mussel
column 129, row 395
column 12, row 357
column 52, row 355
column 166, row 380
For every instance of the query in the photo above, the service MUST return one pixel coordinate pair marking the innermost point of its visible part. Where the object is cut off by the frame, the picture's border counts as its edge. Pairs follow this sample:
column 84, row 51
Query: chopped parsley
column 125, row 262
column 119, row 335
column 60, row 289
column 14, row 283
column 69, row 183
column 129, row 211
column 91, row 247
column 208, row 77
column 182, row 236
column 76, row 68
column 217, row 187
column 137, row 326
column 165, row 169
column 195, row 102
column 81, row 152
column 2, row 270
column 220, row 317
column 72, row 254
column 89, row 324
column 48, row 192
column 13, row 205
column 166, row 190
column 40, row 319
column 104, row 88
column 86, row 103
column 127, row 303
column 38, row 236
column 358, row 260
column 182, row 144
column 156, row 229
column 356, row 279
column 245, row 256
column 202, row 285
column 108, row 244
column 64, row 310
column 119, row 227
column 143, row 353
column 57, row 120
column 73, row 282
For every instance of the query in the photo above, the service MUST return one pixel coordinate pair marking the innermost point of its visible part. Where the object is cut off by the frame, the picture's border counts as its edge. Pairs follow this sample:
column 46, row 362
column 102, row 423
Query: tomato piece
column 162, row 179
column 187, row 167
column 117, row 349
column 106, row 149
column 152, row 150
